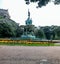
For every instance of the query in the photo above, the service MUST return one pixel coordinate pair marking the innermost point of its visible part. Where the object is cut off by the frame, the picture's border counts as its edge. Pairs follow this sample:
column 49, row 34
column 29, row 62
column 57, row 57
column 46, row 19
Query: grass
column 27, row 44
column 56, row 44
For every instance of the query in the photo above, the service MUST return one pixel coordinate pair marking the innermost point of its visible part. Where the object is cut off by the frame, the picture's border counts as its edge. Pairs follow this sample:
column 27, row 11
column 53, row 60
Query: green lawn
column 26, row 44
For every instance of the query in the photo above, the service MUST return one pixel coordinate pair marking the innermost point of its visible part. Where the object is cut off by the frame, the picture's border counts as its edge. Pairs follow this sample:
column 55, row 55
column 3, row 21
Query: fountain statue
column 28, row 28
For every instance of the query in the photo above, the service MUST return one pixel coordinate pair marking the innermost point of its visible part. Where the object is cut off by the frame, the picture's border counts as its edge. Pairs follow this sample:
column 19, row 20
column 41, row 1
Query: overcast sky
column 18, row 10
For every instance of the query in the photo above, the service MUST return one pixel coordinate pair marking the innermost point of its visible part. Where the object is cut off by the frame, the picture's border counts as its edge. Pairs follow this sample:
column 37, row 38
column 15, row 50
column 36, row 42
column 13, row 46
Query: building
column 4, row 13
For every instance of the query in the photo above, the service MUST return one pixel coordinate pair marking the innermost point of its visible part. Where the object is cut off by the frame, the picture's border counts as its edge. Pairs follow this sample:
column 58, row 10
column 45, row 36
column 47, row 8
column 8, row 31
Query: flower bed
column 26, row 42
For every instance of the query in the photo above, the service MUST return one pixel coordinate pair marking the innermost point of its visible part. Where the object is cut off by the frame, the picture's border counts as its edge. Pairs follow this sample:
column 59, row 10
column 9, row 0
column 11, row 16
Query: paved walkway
column 29, row 55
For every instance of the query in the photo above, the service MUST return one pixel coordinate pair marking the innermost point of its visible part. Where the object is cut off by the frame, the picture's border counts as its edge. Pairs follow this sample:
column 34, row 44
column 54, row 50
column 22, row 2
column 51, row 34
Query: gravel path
column 29, row 55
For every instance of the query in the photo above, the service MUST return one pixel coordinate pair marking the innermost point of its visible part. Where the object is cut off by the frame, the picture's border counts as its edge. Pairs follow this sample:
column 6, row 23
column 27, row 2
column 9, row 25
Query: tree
column 7, row 28
column 39, row 33
column 57, row 2
column 42, row 2
column 19, row 31
column 53, row 32
column 47, row 32
column 57, row 31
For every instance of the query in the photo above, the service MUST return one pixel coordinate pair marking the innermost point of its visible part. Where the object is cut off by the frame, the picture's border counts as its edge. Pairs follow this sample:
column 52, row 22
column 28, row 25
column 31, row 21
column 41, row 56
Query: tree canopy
column 41, row 3
column 8, row 28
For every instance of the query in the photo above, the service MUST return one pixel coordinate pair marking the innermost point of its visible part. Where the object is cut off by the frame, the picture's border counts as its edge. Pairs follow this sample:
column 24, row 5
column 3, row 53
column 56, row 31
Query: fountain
column 27, row 29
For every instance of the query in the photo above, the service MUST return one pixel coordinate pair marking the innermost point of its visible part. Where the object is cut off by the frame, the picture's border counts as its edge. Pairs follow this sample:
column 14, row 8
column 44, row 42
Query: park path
column 29, row 55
